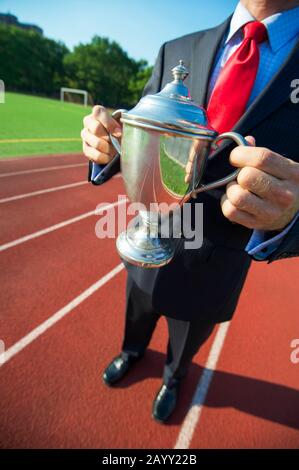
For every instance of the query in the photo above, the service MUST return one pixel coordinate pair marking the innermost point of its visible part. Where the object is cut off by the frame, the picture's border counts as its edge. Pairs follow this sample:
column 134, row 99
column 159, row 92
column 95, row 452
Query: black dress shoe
column 118, row 368
column 165, row 402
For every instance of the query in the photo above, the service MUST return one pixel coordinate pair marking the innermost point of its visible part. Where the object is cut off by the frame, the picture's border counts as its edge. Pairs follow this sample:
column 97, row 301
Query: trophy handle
column 240, row 140
column 116, row 115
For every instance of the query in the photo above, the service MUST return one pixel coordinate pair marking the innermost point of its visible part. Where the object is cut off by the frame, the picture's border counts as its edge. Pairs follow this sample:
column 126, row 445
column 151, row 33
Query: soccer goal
column 68, row 92
column 2, row 92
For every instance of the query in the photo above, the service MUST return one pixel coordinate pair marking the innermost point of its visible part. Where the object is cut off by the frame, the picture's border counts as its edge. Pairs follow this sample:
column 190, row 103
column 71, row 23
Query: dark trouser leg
column 185, row 339
column 141, row 320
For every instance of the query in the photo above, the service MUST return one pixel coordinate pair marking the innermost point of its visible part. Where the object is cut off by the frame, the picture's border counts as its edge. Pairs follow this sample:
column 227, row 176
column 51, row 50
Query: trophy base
column 139, row 249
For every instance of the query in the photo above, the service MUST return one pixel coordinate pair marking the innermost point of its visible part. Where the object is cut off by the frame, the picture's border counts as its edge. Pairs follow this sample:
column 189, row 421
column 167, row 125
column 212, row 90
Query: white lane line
column 43, row 327
column 193, row 416
column 39, row 170
column 38, row 157
column 42, row 191
column 50, row 229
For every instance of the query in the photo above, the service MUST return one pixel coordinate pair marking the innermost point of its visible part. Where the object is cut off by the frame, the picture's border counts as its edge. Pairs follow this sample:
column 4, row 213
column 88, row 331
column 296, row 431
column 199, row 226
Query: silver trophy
column 165, row 147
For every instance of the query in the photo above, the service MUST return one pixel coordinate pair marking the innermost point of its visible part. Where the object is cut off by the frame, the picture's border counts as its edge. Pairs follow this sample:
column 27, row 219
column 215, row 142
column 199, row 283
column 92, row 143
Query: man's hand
column 266, row 193
column 95, row 135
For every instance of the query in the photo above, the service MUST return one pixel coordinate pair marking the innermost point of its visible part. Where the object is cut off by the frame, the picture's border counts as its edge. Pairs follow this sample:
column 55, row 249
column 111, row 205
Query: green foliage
column 137, row 82
column 30, row 62
column 30, row 125
column 104, row 69
column 34, row 64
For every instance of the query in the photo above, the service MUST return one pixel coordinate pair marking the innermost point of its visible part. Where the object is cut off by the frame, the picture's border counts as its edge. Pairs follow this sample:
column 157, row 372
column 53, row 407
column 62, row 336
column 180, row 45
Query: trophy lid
column 172, row 109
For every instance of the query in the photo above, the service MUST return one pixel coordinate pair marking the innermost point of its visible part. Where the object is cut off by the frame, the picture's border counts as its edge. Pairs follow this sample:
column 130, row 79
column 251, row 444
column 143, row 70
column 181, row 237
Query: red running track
column 51, row 392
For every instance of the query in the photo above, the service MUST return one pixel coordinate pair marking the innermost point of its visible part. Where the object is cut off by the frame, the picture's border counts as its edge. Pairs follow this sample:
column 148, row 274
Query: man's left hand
column 266, row 193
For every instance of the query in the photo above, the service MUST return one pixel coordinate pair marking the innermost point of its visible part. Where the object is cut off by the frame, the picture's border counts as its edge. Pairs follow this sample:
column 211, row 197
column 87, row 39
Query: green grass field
column 173, row 175
column 24, row 117
column 30, row 125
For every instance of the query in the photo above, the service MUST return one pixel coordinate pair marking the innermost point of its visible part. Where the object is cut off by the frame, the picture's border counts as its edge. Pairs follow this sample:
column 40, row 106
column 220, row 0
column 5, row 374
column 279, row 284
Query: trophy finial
column 180, row 72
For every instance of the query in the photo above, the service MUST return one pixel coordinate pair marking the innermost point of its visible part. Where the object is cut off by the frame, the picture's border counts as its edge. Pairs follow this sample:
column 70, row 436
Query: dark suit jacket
column 208, row 281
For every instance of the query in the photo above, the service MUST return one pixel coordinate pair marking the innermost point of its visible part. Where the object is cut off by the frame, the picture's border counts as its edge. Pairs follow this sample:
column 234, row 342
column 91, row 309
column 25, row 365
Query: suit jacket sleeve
column 289, row 246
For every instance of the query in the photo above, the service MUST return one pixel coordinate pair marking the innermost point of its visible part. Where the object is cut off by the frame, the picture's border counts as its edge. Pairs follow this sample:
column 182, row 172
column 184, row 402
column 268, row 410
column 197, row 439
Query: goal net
column 74, row 95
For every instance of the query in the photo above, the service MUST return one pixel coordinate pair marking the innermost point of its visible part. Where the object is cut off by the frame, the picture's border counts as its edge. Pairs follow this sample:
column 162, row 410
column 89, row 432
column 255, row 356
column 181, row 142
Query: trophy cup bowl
column 166, row 137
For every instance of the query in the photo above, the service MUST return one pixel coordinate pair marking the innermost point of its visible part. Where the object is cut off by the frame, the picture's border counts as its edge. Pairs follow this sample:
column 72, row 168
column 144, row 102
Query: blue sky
column 140, row 26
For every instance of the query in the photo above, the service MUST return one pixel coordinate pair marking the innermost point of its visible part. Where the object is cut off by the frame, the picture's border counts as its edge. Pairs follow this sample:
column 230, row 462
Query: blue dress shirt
column 283, row 33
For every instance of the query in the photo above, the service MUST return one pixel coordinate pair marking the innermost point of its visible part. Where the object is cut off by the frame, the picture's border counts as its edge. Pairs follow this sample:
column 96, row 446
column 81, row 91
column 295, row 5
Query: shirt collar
column 281, row 27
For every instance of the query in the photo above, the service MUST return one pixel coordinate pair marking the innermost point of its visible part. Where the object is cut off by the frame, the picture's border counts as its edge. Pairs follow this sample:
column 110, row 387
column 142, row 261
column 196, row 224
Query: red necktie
column 235, row 82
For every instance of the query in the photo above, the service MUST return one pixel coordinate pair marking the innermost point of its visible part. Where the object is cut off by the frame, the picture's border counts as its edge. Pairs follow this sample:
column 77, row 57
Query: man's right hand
column 95, row 135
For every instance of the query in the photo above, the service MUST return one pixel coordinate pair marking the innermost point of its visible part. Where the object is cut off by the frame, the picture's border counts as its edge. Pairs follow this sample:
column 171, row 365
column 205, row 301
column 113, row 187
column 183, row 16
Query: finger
column 95, row 155
column 189, row 171
column 98, row 143
column 194, row 152
column 246, row 201
column 95, row 127
column 111, row 125
column 236, row 215
column 187, row 178
column 266, row 186
column 250, row 139
column 263, row 159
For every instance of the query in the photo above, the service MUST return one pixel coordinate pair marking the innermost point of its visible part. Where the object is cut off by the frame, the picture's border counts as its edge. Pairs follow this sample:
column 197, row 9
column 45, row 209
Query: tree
column 34, row 64
column 104, row 69
column 30, row 62
column 137, row 82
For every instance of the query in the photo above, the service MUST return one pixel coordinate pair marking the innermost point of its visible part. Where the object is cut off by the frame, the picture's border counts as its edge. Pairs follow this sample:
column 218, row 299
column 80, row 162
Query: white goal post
column 64, row 90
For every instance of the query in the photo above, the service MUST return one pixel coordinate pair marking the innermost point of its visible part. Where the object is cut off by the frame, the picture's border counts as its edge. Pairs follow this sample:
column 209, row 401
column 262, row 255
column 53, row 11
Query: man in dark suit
column 254, row 217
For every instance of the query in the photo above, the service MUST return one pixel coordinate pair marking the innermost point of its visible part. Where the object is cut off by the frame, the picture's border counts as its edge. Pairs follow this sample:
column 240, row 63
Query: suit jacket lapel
column 276, row 93
column 203, row 56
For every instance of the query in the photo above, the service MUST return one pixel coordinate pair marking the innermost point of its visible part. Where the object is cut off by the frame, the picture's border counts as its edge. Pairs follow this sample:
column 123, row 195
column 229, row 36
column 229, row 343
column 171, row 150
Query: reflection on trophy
column 165, row 148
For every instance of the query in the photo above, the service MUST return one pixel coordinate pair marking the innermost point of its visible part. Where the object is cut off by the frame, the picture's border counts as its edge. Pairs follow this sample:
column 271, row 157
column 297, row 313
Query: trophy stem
column 142, row 245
